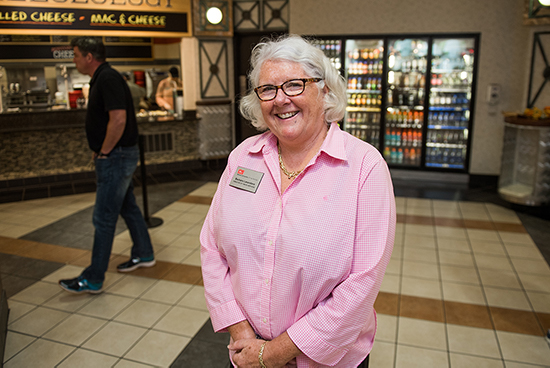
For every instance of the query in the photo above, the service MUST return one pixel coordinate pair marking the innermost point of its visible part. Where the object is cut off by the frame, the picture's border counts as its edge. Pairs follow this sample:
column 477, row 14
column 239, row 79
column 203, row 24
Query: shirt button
column 267, row 281
column 264, row 320
column 270, row 242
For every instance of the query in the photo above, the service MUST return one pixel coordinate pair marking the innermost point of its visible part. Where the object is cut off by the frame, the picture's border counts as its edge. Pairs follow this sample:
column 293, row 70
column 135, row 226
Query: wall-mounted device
column 493, row 94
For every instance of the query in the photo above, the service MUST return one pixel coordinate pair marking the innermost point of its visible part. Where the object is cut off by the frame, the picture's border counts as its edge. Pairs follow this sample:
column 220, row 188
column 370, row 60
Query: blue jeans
column 114, row 196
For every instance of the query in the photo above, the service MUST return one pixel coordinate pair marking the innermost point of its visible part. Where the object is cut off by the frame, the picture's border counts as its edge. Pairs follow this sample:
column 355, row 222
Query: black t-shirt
column 109, row 91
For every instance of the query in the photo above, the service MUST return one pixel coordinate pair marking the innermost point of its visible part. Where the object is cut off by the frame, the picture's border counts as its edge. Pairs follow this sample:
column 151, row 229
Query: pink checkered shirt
column 309, row 261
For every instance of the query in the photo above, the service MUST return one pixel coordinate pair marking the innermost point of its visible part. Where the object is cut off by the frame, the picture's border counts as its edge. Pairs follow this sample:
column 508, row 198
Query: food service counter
column 525, row 176
column 54, row 142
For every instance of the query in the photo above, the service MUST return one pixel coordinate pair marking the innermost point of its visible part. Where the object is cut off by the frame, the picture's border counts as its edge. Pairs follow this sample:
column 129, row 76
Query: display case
column 525, row 173
column 364, row 67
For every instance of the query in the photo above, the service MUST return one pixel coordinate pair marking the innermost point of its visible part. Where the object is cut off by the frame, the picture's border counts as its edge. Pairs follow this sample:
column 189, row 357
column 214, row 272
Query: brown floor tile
column 386, row 303
column 114, row 261
column 53, row 253
column 196, row 199
column 449, row 222
column 544, row 319
column 419, row 220
column 421, row 308
column 470, row 315
column 14, row 246
column 184, row 273
column 478, row 224
column 516, row 321
column 156, row 272
column 83, row 261
column 400, row 218
column 513, row 228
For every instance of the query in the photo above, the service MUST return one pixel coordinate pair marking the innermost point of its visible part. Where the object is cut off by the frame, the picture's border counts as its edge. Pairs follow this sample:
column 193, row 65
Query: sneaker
column 80, row 285
column 135, row 263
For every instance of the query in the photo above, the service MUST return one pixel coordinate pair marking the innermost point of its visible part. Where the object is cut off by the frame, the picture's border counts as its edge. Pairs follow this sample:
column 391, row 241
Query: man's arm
column 115, row 129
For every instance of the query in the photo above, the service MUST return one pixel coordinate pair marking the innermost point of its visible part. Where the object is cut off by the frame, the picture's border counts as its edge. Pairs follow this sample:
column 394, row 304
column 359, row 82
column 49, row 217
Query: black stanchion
column 151, row 221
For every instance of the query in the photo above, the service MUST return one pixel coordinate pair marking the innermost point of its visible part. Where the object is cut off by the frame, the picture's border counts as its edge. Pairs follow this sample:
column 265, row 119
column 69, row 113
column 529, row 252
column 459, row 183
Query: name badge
column 246, row 179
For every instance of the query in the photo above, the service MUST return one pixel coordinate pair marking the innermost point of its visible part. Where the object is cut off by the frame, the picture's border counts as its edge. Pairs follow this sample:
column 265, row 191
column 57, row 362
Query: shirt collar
column 333, row 144
column 96, row 72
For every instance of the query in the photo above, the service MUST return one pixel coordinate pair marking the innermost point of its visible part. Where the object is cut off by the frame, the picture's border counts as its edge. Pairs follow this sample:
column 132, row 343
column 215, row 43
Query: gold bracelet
column 261, row 355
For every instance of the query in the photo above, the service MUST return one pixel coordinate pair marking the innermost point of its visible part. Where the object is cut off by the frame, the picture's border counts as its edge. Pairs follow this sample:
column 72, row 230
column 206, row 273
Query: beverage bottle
column 413, row 156
column 387, row 153
column 387, row 139
column 452, row 157
column 393, row 155
column 445, row 156
column 400, row 156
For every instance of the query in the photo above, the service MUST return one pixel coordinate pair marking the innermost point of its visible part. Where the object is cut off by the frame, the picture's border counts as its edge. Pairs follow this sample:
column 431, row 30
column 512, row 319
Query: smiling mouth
column 287, row 115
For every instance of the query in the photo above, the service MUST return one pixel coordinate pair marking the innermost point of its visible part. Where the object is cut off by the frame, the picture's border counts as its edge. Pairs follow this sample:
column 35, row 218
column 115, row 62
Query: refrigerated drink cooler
column 410, row 97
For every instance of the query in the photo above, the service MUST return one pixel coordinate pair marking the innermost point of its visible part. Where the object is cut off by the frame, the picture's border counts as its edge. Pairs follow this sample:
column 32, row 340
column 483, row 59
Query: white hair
column 314, row 62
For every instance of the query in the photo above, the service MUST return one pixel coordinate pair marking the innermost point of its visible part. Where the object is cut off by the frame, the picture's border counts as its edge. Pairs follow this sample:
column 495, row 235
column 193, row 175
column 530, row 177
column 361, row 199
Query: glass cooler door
column 405, row 102
column 364, row 66
column 452, row 71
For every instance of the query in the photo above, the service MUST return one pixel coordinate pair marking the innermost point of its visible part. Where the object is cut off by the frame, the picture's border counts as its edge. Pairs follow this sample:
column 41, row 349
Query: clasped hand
column 246, row 352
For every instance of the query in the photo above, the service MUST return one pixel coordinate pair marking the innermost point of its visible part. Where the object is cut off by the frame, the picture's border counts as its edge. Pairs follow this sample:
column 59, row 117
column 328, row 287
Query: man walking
column 111, row 130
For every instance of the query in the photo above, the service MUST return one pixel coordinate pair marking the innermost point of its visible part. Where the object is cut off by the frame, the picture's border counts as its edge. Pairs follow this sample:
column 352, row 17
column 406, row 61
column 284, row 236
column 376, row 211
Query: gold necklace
column 289, row 174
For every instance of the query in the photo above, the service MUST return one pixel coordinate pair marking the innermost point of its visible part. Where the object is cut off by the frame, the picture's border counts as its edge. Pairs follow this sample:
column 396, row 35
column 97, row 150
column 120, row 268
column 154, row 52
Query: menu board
column 111, row 18
column 58, row 48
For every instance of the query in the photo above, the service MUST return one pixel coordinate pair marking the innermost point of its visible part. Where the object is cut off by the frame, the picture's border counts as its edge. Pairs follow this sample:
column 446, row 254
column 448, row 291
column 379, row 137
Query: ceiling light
column 214, row 15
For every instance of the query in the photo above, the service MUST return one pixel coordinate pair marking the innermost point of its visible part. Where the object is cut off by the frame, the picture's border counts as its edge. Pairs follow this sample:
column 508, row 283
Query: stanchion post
column 151, row 221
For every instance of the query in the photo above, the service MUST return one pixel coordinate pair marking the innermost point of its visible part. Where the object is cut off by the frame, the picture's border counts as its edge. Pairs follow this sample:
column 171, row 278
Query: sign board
column 17, row 48
column 142, row 18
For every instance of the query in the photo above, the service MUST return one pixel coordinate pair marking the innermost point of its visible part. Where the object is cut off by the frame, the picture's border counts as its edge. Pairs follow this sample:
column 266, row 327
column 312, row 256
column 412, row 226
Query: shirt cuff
column 226, row 315
column 313, row 346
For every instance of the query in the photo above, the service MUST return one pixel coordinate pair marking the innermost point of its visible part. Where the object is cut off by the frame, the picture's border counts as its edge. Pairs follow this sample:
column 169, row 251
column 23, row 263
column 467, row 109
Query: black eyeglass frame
column 304, row 80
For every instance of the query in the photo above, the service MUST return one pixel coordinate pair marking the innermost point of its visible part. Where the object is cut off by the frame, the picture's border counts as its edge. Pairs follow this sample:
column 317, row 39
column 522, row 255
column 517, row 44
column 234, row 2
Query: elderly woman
column 301, row 228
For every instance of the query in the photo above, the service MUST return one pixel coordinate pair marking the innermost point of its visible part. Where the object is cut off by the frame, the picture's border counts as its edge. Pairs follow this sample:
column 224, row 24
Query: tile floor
column 467, row 286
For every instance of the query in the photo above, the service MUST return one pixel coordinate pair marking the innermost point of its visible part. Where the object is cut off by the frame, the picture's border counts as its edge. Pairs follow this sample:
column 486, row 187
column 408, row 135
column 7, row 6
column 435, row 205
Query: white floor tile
column 168, row 292
column 131, row 286
column 413, row 357
column 38, row 321
column 106, row 306
column 473, row 341
column 18, row 309
column 115, row 338
column 182, row 321
column 142, row 313
column 469, row 361
column 15, row 342
column 421, row 287
column 382, row 355
column 41, row 353
column 524, row 348
column 82, row 358
column 38, row 293
column 463, row 293
column 386, row 329
column 423, row 334
column 507, row 298
column 75, row 329
column 194, row 299
column 158, row 348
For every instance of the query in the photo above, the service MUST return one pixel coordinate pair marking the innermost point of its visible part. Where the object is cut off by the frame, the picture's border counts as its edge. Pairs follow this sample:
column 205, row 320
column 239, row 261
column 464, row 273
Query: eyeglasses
column 293, row 87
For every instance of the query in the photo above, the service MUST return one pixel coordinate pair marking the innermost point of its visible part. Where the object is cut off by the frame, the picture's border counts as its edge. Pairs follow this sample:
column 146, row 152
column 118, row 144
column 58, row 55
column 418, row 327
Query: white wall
column 505, row 48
